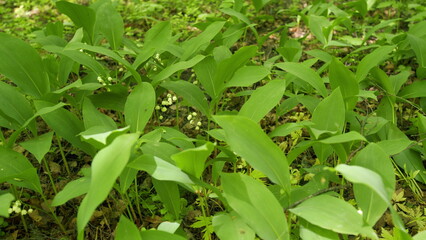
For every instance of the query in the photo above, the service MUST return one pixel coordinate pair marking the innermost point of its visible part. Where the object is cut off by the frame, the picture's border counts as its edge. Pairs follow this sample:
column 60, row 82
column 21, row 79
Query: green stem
column 63, row 156
column 50, row 175
column 138, row 208
column 24, row 223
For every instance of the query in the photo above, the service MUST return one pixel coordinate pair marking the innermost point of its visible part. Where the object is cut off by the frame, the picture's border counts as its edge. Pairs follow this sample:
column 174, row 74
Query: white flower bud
column 10, row 210
column 157, row 107
column 174, row 98
column 24, row 212
column 197, row 128
column 30, row 210
column 109, row 78
column 198, row 123
column 163, row 109
column 161, row 117
column 189, row 117
column 194, row 114
column 169, row 95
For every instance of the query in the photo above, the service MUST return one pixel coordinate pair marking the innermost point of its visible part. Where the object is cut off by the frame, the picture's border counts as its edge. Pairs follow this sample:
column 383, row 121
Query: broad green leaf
column 291, row 51
column 247, row 75
column 263, row 99
column 23, row 66
column 365, row 176
column 126, row 178
column 229, row 66
column 65, row 124
column 334, row 214
column 115, row 99
column 190, row 92
column 419, row 47
column 126, row 229
column 110, row 24
column 106, row 52
column 319, row 27
column 329, row 115
column 80, row 58
column 259, row 4
column 306, row 74
column 261, row 211
column 17, row 170
column 39, row 145
column 160, row 169
column 107, row 165
column 420, row 236
column 82, row 16
column 158, row 36
column 192, row 161
column 160, row 235
column 383, row 80
column 14, row 106
column 5, row 200
column 414, row 90
column 394, row 146
column 411, row 161
column 169, row 227
column 345, row 137
column 72, row 190
column 194, row 45
column 230, row 226
column 309, row 231
column 371, row 60
column 205, row 71
column 93, row 118
column 139, row 106
column 100, row 136
column 231, row 12
column 341, row 76
column 162, row 150
column 248, row 140
column 169, row 195
column 169, row 70
column 286, row 129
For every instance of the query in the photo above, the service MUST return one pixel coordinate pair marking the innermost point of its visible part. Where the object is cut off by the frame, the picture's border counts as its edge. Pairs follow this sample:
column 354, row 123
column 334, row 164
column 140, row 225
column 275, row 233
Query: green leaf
column 419, row 236
column 80, row 58
column 169, row 195
column 15, row 106
column 205, row 71
column 5, row 200
column 192, row 161
column 139, row 106
column 110, row 24
column 82, row 16
column 191, row 93
column 230, row 226
column 247, row 139
column 100, row 136
column 65, row 124
column 329, row 115
column 158, row 36
column 263, row 99
column 372, row 60
column 169, row 70
column 93, row 118
column 341, row 76
column 17, row 170
column 261, row 211
column 394, row 146
column 334, row 214
column 231, row 12
column 259, row 4
column 160, row 235
column 247, row 75
column 23, row 66
column 345, row 137
column 319, row 27
column 126, row 229
column 194, row 45
column 306, row 74
column 286, row 129
column 107, row 52
column 419, row 47
column 309, row 231
column 72, row 190
column 160, row 169
column 39, row 146
column 365, row 176
column 414, row 90
column 107, row 165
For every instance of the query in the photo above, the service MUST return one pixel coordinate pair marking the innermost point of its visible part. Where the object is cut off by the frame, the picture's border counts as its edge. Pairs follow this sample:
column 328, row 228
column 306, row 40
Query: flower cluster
column 168, row 101
column 17, row 208
column 192, row 118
